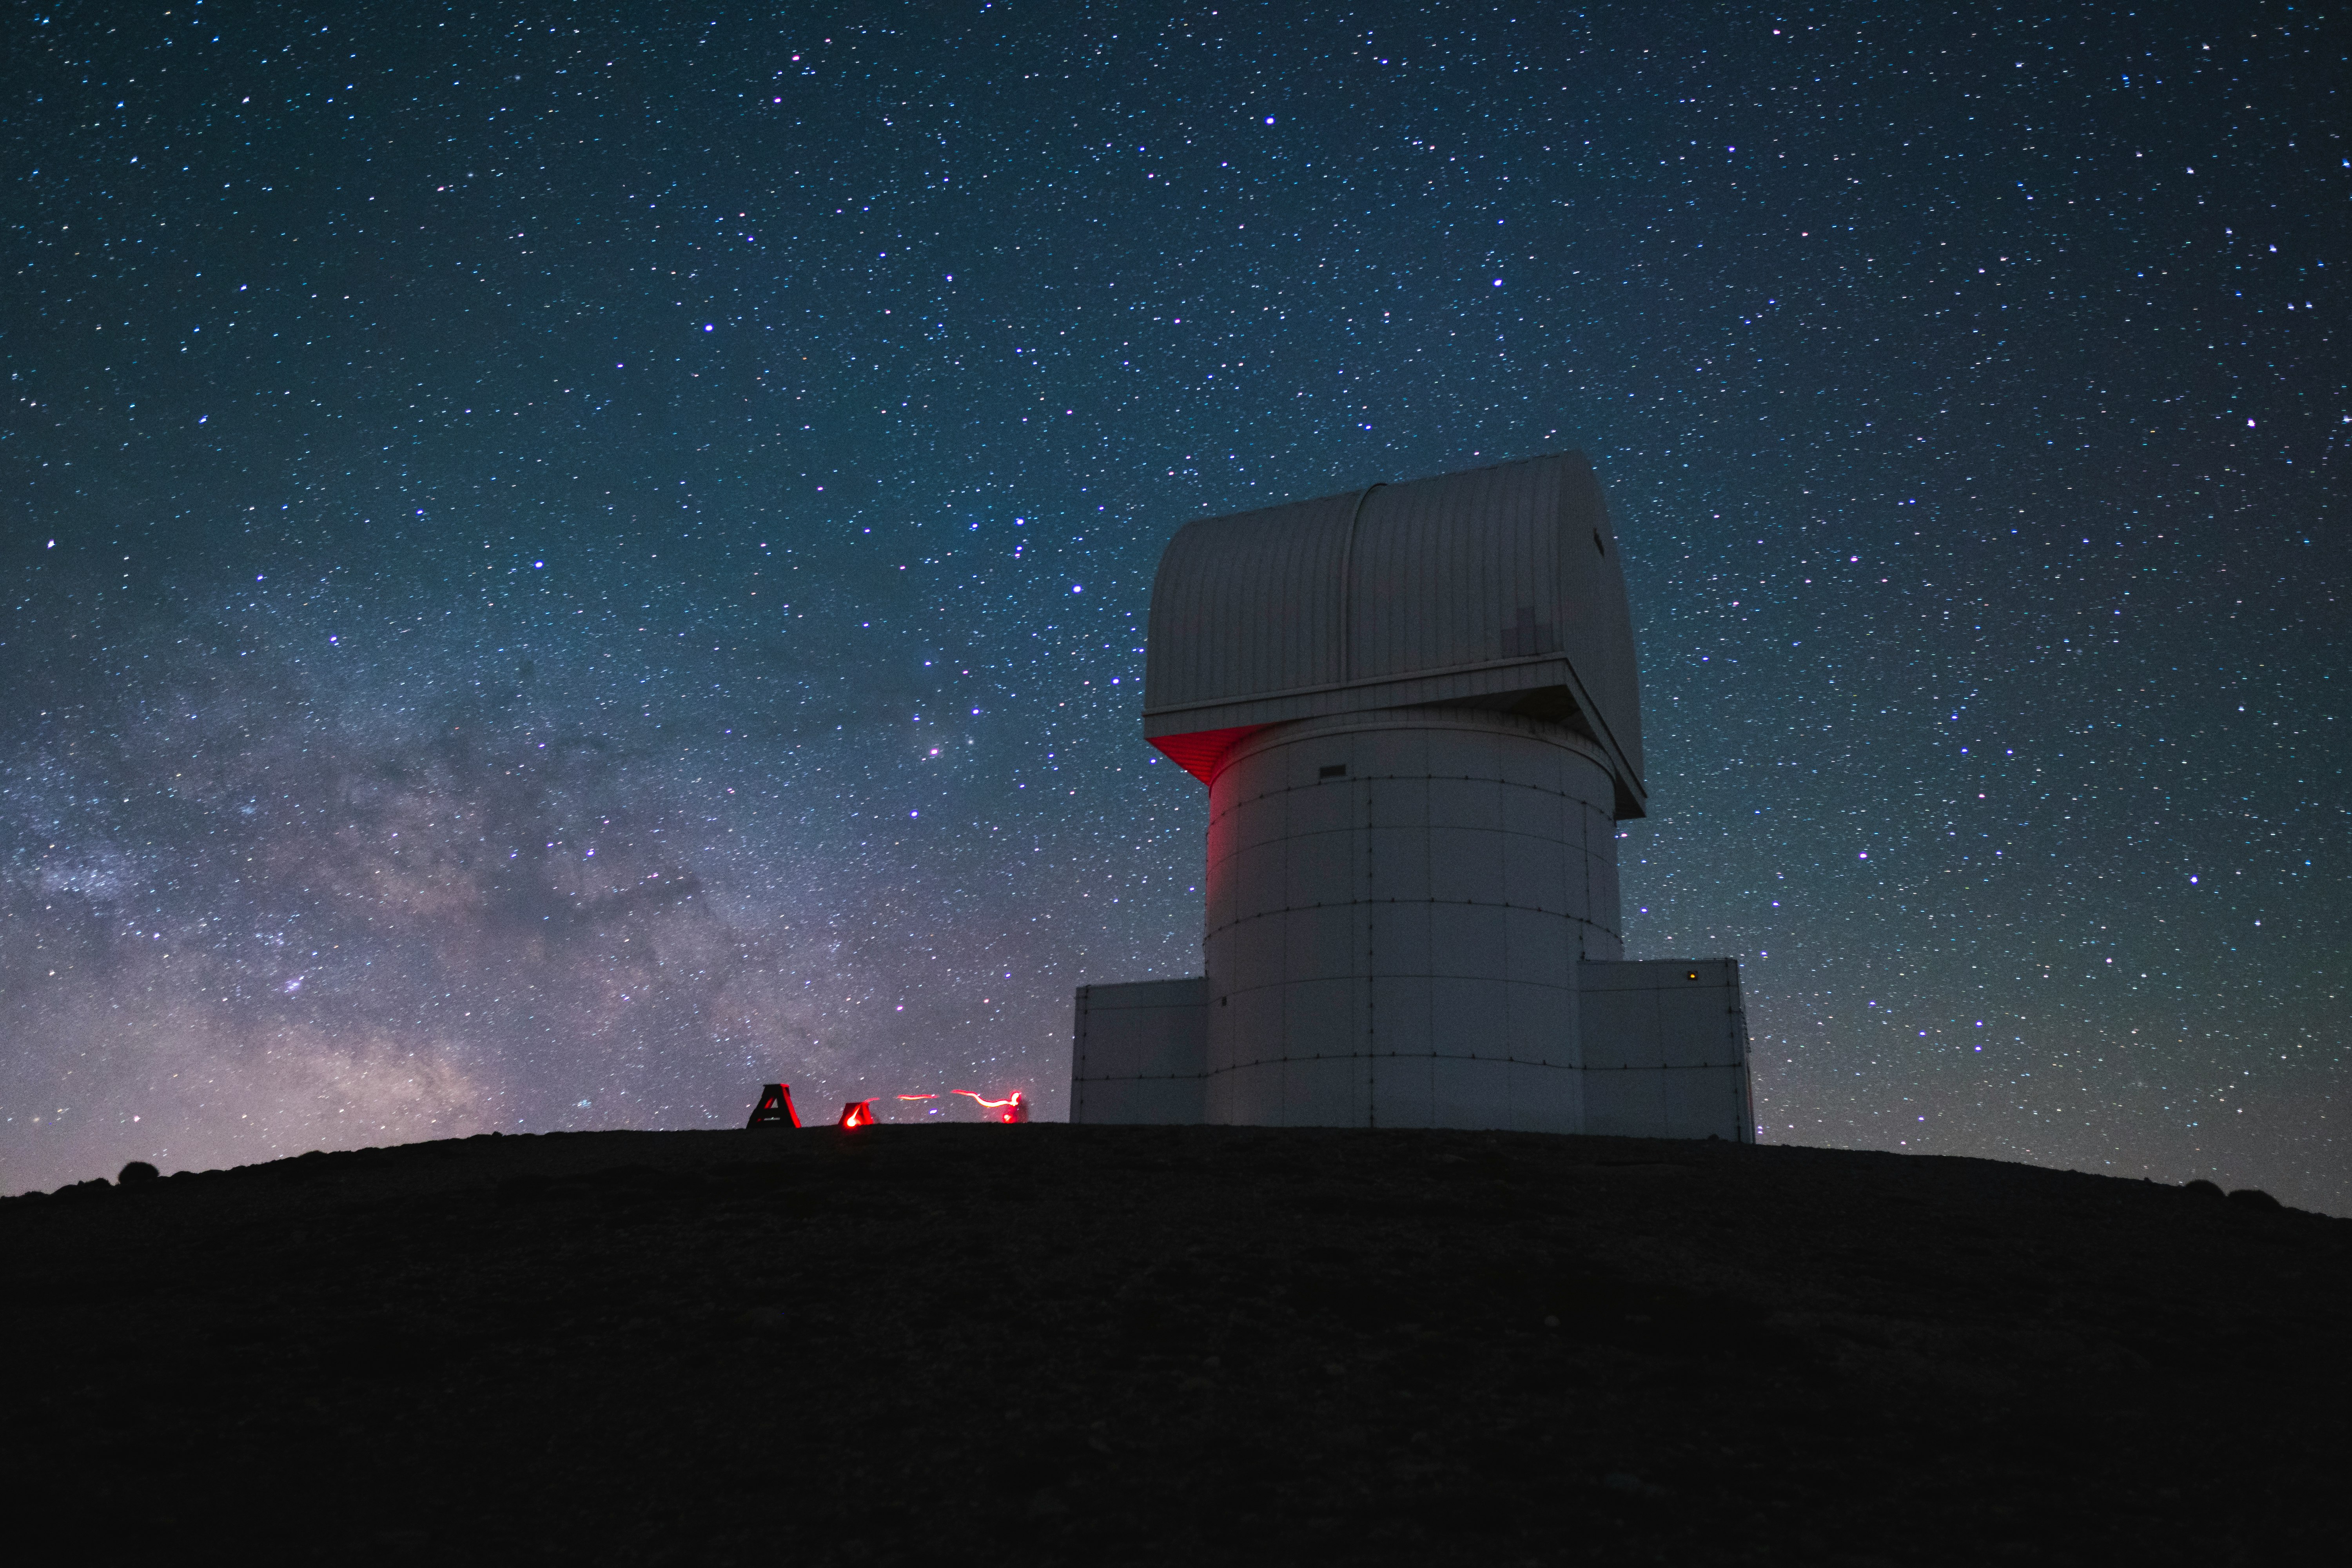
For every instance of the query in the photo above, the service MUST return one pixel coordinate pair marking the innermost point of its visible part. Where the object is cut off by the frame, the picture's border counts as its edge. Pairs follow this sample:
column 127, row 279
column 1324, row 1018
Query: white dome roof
column 1496, row 588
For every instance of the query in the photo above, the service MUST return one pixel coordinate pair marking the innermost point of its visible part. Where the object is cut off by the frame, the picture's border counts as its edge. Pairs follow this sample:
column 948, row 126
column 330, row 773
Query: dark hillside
column 1055, row 1344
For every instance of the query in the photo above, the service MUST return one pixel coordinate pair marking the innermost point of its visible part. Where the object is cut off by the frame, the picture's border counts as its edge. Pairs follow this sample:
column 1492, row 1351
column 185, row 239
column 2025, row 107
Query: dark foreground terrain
column 1049, row 1344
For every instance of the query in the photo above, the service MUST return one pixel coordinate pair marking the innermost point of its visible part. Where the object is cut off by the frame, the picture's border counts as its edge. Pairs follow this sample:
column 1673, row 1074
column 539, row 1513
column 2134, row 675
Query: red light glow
column 856, row 1113
column 1199, row 752
column 919, row 1097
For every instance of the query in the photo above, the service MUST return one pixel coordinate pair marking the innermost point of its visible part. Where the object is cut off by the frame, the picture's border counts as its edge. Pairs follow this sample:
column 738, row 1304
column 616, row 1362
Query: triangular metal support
column 775, row 1107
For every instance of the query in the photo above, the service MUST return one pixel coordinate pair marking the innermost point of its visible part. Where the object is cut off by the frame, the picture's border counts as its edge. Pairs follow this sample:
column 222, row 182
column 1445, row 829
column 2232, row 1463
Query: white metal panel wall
column 1666, row 1049
column 1596, row 615
column 1138, row 1050
column 1397, row 904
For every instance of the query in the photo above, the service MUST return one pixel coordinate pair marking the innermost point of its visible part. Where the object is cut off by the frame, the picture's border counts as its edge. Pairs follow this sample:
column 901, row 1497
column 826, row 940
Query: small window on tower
column 1334, row 770
column 1599, row 548
column 1691, row 976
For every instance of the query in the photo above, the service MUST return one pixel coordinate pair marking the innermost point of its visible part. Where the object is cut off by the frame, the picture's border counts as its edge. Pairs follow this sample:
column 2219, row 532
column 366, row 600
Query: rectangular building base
column 1137, row 1052
column 1665, row 1050
column 1663, row 1047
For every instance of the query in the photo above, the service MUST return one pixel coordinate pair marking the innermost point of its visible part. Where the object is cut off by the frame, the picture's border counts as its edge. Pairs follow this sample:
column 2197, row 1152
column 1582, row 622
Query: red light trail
column 775, row 1107
column 1012, row 1109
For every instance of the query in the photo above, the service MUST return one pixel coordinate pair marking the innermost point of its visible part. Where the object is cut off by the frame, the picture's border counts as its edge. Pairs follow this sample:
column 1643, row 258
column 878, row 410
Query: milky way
column 561, row 570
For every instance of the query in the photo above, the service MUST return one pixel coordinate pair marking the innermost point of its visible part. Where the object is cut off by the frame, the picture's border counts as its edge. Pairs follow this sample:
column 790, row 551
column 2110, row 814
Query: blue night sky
column 562, row 564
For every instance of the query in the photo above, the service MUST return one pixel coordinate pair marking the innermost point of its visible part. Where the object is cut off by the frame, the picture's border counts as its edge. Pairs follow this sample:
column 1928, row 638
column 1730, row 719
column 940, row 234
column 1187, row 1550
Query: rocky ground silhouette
column 1047, row 1344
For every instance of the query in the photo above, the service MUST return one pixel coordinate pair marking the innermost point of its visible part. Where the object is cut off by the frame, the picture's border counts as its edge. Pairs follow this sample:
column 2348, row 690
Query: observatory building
column 1416, row 711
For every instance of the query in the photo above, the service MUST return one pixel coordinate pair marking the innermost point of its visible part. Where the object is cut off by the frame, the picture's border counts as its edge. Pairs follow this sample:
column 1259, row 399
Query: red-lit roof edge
column 1197, row 753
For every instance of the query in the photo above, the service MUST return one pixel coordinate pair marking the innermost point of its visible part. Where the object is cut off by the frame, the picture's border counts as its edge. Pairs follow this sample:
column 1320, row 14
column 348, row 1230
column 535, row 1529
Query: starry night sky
column 561, row 566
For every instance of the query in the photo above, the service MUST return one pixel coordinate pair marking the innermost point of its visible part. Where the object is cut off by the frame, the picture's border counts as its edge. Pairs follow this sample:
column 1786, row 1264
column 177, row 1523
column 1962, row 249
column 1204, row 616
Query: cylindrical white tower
column 1397, row 903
